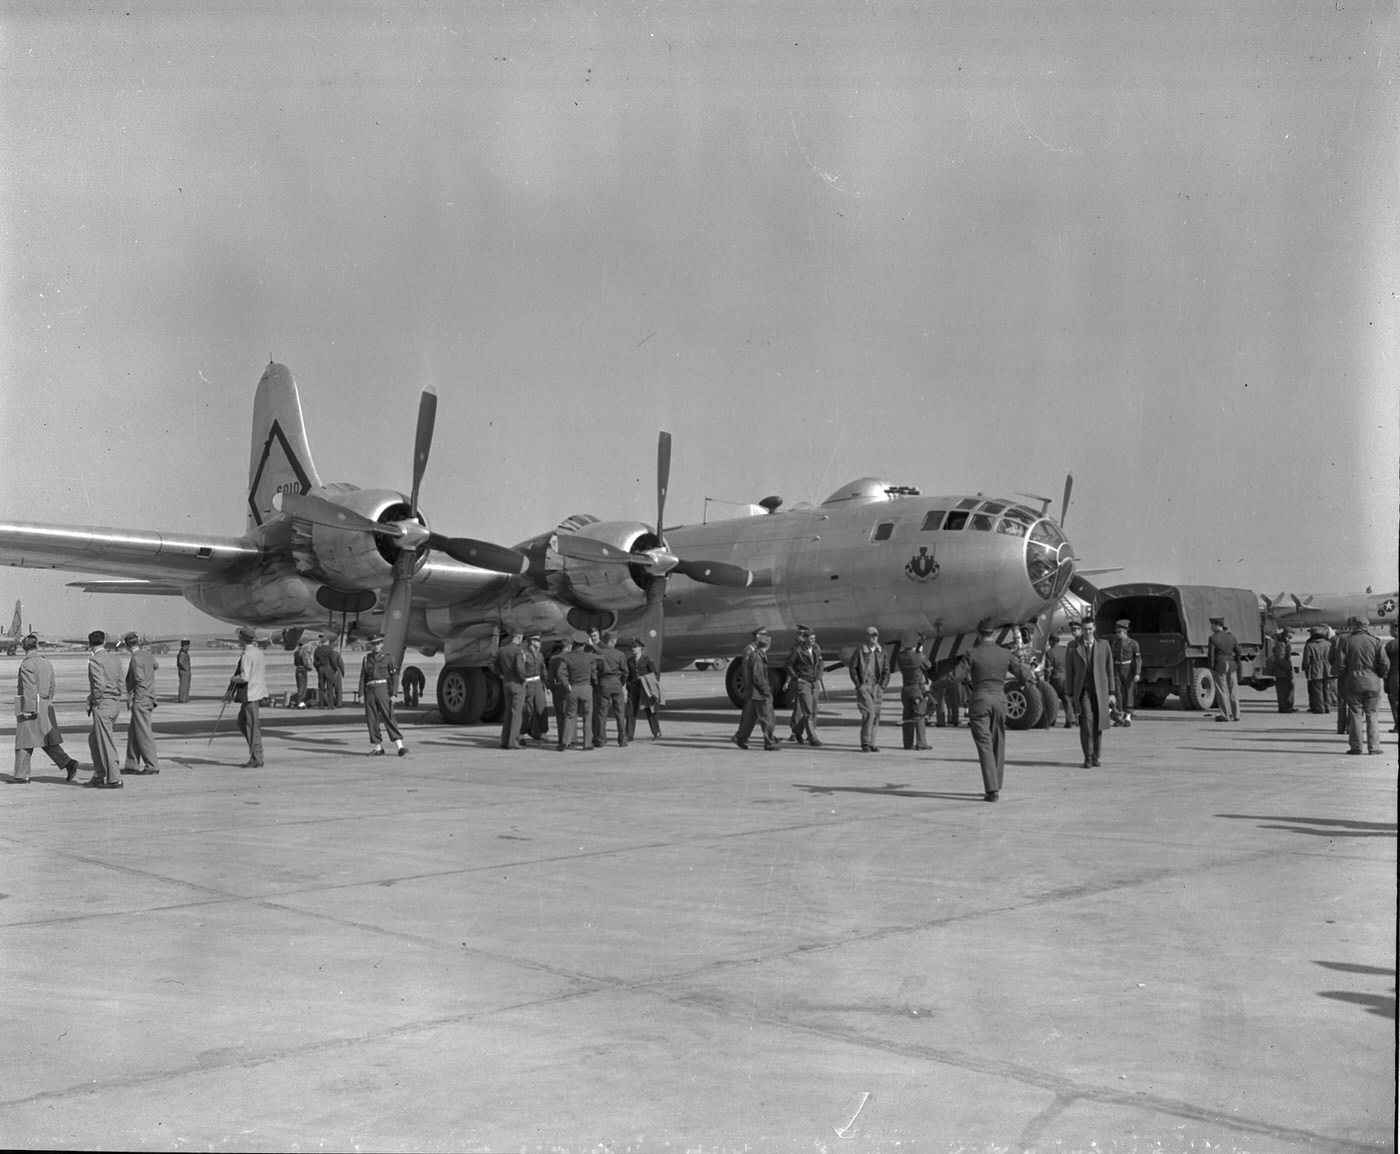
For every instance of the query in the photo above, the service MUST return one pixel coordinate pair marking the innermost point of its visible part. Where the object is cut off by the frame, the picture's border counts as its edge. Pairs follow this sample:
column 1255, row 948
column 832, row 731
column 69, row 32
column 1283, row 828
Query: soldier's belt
column 381, row 681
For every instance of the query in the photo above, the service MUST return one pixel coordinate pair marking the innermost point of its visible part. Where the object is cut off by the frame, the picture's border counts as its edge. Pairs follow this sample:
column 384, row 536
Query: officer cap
column 985, row 626
column 247, row 633
column 1122, row 623
column 126, row 637
column 760, row 632
column 1053, row 639
column 376, row 640
column 184, row 641
column 1316, row 631
column 97, row 637
column 532, row 636
column 804, row 630
column 31, row 641
column 579, row 638
column 1217, row 621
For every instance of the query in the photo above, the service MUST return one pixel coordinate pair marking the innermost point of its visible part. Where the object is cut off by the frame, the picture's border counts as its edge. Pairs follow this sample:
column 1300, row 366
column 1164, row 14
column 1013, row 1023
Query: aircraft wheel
column 779, row 680
column 1050, row 706
column 731, row 682
column 493, row 702
column 1200, row 689
column 1023, row 705
column 460, row 694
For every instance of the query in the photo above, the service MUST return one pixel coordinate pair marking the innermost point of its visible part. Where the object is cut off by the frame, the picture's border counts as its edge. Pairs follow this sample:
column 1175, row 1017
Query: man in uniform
column 1055, row 675
column 985, row 667
column 758, row 694
column 248, row 687
column 337, row 673
column 413, row 683
column 913, row 667
column 507, row 667
column 1089, row 676
column 557, row 681
column 141, row 754
column 378, row 684
column 1392, row 677
column 805, row 672
column 182, row 671
column 534, row 723
column 303, row 662
column 1223, row 652
column 643, row 690
column 1362, row 667
column 610, row 699
column 870, row 673
column 106, row 688
column 578, row 671
column 325, row 673
column 1316, row 670
column 1127, row 668
column 1281, row 657
column 36, row 725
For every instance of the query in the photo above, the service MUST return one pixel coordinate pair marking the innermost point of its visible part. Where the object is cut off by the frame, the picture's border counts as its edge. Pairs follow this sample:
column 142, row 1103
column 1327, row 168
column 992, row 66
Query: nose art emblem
column 922, row 566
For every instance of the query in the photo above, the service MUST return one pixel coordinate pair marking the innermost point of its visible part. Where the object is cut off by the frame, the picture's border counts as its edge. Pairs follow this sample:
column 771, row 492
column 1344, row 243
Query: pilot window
column 932, row 520
column 1011, row 528
column 993, row 507
column 982, row 521
column 882, row 531
column 956, row 520
column 968, row 503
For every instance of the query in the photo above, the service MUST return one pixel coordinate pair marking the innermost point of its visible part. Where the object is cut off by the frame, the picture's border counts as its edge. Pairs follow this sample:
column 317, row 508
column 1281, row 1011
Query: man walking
column 870, row 673
column 1127, row 668
column 1089, row 674
column 985, row 666
column 1223, row 652
column 758, row 694
column 248, row 687
column 141, row 754
column 106, row 688
column 1361, row 667
column 378, row 685
column 36, row 724
column 805, row 672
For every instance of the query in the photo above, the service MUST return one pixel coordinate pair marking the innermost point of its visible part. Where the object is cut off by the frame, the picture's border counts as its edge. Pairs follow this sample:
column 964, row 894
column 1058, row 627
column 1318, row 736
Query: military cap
column 801, row 629
column 535, row 636
column 760, row 632
column 247, row 633
column 1122, row 623
column 1355, row 623
column 579, row 638
column 1217, row 621
column 97, row 637
column 130, row 637
column 184, row 641
column 376, row 640
column 985, row 625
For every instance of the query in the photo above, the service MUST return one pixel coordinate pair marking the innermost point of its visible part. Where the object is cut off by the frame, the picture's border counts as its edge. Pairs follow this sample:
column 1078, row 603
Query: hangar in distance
column 320, row 555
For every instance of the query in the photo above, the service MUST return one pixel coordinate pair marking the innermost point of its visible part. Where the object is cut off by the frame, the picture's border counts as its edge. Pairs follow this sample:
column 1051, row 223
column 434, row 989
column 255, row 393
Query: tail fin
column 15, row 628
column 281, row 458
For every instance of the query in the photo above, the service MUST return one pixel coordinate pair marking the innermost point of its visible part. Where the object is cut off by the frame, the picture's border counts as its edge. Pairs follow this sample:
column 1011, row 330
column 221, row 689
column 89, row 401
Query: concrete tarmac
column 684, row 946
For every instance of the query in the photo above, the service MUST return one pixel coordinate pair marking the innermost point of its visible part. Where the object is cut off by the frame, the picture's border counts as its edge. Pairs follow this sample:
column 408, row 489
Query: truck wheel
column 460, row 693
column 1023, row 705
column 1050, row 706
column 1200, row 690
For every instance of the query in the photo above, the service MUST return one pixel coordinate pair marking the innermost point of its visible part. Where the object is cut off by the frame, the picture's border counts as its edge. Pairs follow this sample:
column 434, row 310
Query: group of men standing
column 323, row 658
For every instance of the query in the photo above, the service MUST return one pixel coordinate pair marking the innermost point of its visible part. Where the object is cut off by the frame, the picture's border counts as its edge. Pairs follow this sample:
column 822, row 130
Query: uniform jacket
column 913, row 667
column 1362, row 663
column 1224, row 651
column 34, row 694
column 757, row 686
column 612, row 665
column 1282, row 655
column 378, row 667
column 324, row 659
column 141, row 673
column 578, row 669
column 1392, row 655
column 106, row 677
column 1126, row 649
column 505, row 663
column 252, row 671
column 1094, row 675
column 805, row 663
column 182, row 661
column 870, row 662
column 529, row 664
column 985, row 666
column 1315, row 666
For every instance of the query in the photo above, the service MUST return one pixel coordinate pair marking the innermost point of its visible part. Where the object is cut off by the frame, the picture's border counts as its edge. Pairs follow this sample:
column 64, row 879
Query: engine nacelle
column 613, row 587
column 261, row 599
column 354, row 560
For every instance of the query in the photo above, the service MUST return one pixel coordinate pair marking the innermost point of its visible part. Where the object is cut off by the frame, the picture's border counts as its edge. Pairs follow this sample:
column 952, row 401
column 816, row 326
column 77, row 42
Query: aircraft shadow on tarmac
column 1378, row 1004
column 1325, row 826
column 889, row 789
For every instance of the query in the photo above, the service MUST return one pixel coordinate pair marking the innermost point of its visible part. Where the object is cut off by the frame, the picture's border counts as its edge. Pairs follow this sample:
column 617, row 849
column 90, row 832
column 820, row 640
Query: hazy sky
column 963, row 246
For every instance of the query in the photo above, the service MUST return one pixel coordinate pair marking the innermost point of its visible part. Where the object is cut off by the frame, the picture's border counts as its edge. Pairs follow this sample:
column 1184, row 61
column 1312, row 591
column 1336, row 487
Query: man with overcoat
column 182, row 672
column 1316, row 670
column 36, row 724
column 1089, row 676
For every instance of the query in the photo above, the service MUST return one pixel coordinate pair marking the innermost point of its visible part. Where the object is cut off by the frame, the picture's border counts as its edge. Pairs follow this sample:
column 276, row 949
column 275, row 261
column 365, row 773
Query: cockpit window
column 956, row 520
column 882, row 531
column 1049, row 562
column 968, row 503
column 932, row 520
column 993, row 507
column 982, row 521
column 1011, row 528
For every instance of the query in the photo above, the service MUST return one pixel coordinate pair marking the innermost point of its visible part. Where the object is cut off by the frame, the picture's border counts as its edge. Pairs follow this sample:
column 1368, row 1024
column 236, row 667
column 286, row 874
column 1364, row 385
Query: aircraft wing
column 162, row 559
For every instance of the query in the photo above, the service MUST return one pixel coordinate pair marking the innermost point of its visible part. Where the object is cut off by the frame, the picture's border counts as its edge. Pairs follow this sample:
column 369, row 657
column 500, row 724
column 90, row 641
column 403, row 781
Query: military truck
column 1171, row 624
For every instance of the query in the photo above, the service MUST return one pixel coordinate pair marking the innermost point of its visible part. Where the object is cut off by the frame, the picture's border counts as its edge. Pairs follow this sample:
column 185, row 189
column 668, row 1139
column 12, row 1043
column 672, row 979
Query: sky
column 964, row 246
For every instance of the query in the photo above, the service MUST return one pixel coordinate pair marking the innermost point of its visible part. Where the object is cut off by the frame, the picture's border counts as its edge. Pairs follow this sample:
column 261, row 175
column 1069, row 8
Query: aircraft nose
column 1049, row 560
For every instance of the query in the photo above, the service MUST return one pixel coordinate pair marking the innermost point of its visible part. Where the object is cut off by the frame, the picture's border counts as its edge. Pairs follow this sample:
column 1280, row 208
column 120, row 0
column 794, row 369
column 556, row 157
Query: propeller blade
column 422, row 442
column 319, row 511
column 1064, row 504
column 716, row 573
column 1084, row 589
column 482, row 554
column 663, row 481
column 587, row 549
column 654, row 619
column 396, row 610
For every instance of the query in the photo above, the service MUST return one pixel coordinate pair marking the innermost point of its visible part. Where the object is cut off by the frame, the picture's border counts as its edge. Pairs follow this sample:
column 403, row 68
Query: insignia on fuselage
column 922, row 566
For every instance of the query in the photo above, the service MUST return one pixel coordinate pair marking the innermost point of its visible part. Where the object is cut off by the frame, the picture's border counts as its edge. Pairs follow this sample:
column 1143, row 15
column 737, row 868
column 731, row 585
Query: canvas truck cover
column 1196, row 605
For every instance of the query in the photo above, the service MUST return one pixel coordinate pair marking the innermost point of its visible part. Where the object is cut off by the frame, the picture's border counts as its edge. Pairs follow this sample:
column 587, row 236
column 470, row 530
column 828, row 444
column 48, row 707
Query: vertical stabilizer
column 15, row 627
column 281, row 459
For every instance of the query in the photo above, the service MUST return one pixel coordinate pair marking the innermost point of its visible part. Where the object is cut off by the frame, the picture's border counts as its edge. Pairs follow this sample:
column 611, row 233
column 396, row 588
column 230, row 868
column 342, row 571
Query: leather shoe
column 253, row 764
column 991, row 795
column 112, row 784
column 740, row 744
column 72, row 770
column 1088, row 763
column 95, row 783
column 19, row 781
column 1097, row 763
column 814, row 743
column 403, row 749
column 874, row 749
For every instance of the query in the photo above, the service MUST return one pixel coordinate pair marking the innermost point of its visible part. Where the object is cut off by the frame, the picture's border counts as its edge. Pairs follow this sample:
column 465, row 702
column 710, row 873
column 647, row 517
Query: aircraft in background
column 9, row 640
column 312, row 552
column 1330, row 609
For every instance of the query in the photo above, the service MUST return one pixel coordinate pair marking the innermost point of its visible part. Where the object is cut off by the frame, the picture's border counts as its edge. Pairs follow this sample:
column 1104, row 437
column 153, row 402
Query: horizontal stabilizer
column 132, row 585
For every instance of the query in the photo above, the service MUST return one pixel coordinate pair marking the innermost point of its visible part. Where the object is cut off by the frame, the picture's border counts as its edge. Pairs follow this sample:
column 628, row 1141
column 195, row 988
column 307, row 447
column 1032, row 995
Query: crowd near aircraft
column 333, row 556
column 1334, row 610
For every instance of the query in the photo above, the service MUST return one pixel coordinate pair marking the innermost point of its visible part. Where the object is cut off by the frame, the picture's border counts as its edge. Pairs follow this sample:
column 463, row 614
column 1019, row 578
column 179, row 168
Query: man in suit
column 106, row 689
column 141, row 754
column 870, row 673
column 1089, row 675
column 985, row 667
column 35, row 721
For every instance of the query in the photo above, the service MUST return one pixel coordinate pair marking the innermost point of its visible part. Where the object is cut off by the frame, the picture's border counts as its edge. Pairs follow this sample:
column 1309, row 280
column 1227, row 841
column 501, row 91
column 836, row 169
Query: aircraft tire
column 1023, row 705
column 779, row 680
column 493, row 701
column 1199, row 692
column 731, row 682
column 1050, row 706
column 461, row 692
